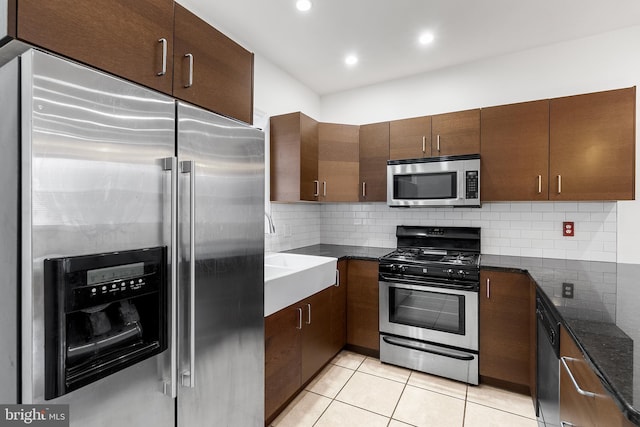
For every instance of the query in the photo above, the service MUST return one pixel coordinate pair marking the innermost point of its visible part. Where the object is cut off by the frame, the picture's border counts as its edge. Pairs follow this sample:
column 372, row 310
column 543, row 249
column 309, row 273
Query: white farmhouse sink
column 289, row 278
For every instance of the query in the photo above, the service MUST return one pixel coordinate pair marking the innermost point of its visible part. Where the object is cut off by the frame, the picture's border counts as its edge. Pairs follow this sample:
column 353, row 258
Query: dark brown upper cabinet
column 455, row 133
column 338, row 162
column 210, row 69
column 374, row 153
column 410, row 138
column 131, row 39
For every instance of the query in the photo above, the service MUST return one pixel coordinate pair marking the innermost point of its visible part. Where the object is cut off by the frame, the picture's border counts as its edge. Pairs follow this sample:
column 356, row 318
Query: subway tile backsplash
column 531, row 229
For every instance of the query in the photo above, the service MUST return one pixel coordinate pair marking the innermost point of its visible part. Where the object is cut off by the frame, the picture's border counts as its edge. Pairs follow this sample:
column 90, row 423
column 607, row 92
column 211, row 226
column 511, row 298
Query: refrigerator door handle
column 188, row 377
column 171, row 386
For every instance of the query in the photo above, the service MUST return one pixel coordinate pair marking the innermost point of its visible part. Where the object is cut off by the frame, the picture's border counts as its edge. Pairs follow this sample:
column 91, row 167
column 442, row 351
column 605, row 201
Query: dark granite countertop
column 342, row 251
column 602, row 317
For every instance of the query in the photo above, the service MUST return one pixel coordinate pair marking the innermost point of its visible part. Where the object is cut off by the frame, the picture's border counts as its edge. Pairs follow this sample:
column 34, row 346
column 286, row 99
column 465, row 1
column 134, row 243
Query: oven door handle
column 426, row 348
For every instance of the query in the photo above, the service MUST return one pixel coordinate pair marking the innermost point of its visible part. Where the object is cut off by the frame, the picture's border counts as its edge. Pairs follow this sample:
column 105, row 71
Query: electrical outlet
column 568, row 229
column 567, row 290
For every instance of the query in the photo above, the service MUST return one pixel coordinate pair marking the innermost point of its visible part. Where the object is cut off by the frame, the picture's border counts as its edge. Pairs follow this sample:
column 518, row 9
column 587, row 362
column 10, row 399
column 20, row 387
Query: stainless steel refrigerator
column 100, row 173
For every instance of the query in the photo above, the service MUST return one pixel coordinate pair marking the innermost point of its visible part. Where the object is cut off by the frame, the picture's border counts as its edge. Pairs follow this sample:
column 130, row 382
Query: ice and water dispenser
column 103, row 313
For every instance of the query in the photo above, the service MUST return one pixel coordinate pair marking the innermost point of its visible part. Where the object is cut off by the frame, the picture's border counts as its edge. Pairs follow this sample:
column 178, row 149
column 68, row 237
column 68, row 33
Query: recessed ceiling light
column 303, row 5
column 425, row 38
column 351, row 60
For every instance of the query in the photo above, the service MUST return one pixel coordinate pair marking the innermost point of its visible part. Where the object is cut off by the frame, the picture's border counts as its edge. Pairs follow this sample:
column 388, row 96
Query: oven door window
column 437, row 311
column 440, row 185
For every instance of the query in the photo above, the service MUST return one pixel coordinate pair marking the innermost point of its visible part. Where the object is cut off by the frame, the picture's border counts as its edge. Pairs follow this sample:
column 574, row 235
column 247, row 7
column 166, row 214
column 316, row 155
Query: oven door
column 431, row 312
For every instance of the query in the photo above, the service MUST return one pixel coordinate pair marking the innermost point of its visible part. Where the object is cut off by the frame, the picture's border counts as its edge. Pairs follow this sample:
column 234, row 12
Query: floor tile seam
column 395, row 408
column 338, row 392
column 384, row 378
column 437, row 392
column 361, row 408
column 502, row 410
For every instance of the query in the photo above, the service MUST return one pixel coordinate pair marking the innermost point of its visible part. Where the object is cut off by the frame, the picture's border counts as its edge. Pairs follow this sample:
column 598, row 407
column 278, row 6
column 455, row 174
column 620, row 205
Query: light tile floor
column 354, row 390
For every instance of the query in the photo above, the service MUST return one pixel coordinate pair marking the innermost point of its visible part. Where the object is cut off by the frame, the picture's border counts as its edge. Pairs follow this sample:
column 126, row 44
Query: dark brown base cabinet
column 507, row 330
column 597, row 408
column 363, row 329
column 298, row 343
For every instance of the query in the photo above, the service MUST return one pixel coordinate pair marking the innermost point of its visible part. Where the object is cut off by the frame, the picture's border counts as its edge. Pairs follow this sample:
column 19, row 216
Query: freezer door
column 221, row 252
column 9, row 162
column 93, row 181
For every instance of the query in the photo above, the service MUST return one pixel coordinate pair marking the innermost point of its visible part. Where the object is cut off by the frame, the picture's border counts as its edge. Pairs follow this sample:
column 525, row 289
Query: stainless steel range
column 429, row 301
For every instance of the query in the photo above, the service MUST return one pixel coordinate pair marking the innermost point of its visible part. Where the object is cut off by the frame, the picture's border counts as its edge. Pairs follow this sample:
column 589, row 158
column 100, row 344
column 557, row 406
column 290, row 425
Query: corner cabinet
column 374, row 153
column 583, row 400
column 294, row 158
column 515, row 152
column 210, row 69
column 592, row 146
column 131, row 39
column 338, row 162
column 507, row 329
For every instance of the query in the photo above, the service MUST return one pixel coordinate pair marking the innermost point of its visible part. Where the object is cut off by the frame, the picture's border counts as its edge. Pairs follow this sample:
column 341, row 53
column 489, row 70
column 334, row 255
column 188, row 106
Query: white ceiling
column 311, row 46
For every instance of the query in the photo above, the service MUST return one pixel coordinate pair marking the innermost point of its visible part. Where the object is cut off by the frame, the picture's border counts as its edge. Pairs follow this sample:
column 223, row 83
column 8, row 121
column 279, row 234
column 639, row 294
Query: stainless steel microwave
column 434, row 181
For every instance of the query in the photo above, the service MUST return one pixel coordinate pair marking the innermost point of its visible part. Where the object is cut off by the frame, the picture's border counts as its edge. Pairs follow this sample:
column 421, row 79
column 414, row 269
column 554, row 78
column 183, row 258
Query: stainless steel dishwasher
column 548, row 363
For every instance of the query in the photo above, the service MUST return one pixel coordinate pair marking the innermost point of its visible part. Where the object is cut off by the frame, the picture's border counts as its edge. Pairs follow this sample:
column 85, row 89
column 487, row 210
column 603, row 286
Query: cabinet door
column 374, row 153
column 219, row 73
column 505, row 327
column 592, row 146
column 339, row 309
column 362, row 305
column 120, row 37
column 455, row 133
column 597, row 409
column 283, row 374
column 410, row 138
column 294, row 158
column 316, row 336
column 338, row 161
column 515, row 152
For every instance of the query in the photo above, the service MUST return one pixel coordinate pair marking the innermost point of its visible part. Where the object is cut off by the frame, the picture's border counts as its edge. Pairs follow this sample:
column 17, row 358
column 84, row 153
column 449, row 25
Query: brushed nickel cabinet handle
column 309, row 317
column 488, row 288
column 364, row 189
column 324, row 188
column 163, row 41
column 438, row 142
column 337, row 285
column 581, row 391
column 559, row 184
column 190, row 81
column 424, row 144
column 299, row 318
column 539, row 184
column 317, row 184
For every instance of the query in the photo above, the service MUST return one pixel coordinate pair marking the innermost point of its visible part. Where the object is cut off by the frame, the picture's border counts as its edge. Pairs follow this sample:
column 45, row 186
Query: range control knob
column 449, row 272
column 461, row 273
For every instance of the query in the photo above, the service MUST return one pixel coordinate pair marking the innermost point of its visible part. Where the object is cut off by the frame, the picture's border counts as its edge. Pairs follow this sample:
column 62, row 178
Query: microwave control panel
column 472, row 185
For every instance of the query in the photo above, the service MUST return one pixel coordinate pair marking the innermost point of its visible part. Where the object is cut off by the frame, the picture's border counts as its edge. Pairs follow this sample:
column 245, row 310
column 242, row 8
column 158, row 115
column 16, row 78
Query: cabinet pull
column 424, row 144
column 309, row 317
column 438, row 142
column 299, row 318
column 488, row 288
column 586, row 393
column 190, row 82
column 163, row 41
column 337, row 285
column 324, row 188
column 559, row 184
column 364, row 189
column 539, row 184
column 317, row 184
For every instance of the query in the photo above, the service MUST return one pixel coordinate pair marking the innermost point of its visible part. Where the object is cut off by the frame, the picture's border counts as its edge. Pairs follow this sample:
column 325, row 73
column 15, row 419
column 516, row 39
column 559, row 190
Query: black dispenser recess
column 103, row 313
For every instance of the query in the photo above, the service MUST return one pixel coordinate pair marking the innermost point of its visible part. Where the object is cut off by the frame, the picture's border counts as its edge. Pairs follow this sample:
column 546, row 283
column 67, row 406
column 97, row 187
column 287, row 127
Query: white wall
column 602, row 62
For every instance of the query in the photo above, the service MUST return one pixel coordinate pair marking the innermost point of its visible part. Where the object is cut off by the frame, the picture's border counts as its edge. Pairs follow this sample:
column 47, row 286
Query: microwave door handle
column 171, row 387
column 188, row 377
